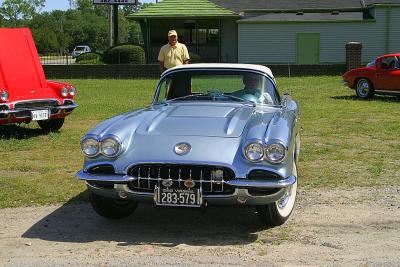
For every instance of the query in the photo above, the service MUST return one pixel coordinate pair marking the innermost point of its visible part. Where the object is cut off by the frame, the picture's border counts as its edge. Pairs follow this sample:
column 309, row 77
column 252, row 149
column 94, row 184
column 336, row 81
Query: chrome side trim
column 387, row 92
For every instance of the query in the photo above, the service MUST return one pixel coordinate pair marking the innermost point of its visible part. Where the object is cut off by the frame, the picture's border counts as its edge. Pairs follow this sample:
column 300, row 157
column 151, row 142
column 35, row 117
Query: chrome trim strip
column 81, row 175
column 244, row 183
column 387, row 92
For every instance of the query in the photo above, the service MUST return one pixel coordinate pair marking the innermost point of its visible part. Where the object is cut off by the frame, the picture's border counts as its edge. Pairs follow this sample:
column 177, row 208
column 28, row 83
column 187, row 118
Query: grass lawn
column 346, row 141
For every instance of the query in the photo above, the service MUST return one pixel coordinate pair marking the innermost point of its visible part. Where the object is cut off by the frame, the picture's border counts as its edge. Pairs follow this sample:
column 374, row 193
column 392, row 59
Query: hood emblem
column 189, row 183
column 167, row 183
column 182, row 148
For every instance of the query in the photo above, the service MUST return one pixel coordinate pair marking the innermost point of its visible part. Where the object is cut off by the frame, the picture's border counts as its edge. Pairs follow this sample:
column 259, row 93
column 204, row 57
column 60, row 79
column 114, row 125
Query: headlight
column 275, row 153
column 90, row 147
column 4, row 95
column 254, row 152
column 64, row 92
column 72, row 91
column 110, row 147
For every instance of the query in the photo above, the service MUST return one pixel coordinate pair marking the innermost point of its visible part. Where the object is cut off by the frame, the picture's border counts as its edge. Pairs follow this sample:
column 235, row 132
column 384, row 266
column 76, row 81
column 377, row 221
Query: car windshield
column 79, row 48
column 371, row 64
column 218, row 85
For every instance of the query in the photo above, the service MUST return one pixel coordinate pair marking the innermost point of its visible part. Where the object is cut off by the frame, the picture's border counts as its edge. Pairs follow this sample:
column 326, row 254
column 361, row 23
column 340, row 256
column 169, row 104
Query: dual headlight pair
column 108, row 146
column 65, row 91
column 256, row 152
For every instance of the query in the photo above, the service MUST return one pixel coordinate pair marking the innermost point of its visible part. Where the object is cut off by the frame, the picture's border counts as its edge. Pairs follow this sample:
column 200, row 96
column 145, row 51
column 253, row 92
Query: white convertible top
column 254, row 67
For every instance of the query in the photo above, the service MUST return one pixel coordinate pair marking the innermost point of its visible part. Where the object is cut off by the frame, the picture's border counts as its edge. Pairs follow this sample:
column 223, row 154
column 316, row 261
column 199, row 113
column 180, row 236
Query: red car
column 381, row 76
column 25, row 94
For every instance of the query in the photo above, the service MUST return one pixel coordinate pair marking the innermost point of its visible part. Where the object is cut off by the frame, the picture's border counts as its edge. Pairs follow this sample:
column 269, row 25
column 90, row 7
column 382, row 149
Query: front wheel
column 51, row 125
column 278, row 212
column 364, row 89
column 112, row 208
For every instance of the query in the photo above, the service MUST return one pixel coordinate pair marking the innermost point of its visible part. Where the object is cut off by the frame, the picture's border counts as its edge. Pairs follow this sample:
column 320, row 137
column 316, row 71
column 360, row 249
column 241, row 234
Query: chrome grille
column 36, row 104
column 209, row 178
column 32, row 105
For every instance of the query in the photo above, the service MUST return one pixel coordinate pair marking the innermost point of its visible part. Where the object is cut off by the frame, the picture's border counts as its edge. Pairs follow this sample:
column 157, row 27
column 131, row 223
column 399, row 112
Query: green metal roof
column 183, row 9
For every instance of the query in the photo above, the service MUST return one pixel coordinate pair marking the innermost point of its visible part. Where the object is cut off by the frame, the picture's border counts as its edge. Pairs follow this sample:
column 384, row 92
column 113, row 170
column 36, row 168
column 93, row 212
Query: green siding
column 307, row 48
column 394, row 41
column 229, row 40
column 183, row 9
column 276, row 43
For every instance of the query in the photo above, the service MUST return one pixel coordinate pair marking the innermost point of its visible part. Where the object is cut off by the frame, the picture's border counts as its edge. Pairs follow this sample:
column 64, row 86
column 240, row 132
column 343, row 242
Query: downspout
column 219, row 42
column 197, row 38
column 388, row 28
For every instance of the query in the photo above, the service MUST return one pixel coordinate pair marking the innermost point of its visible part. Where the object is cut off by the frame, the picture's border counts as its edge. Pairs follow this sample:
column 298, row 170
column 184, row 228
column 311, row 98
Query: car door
column 388, row 74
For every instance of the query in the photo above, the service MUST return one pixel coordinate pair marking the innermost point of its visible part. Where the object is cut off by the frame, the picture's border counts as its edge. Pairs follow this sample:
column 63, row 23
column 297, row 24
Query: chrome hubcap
column 363, row 87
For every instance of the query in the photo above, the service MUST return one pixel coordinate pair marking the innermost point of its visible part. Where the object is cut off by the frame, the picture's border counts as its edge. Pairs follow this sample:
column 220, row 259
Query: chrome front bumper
column 13, row 111
column 241, row 194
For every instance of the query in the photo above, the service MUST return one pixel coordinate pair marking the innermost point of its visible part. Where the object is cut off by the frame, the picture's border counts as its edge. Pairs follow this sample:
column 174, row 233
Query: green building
column 273, row 31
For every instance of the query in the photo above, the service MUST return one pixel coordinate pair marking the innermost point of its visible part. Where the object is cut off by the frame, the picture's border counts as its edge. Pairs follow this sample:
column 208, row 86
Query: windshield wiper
column 214, row 95
column 188, row 96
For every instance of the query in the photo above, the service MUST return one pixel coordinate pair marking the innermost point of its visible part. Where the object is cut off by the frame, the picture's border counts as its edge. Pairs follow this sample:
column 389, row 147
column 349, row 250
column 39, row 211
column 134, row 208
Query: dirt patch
column 358, row 227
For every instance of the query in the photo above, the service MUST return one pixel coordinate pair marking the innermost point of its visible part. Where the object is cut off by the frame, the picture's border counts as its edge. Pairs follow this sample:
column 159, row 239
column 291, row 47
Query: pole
column 110, row 25
column 115, row 18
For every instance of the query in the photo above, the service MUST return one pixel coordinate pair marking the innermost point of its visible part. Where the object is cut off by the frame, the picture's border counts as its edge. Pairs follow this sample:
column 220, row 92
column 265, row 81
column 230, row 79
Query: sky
column 64, row 4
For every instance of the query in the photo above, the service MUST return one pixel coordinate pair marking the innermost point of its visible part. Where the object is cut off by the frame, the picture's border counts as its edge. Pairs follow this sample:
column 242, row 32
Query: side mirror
column 289, row 104
column 284, row 101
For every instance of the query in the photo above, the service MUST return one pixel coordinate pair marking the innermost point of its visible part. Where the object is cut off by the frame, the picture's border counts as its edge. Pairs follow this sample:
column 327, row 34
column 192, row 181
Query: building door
column 308, row 48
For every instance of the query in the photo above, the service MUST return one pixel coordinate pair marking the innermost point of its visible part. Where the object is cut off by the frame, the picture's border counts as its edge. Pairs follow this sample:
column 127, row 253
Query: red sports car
column 25, row 94
column 381, row 76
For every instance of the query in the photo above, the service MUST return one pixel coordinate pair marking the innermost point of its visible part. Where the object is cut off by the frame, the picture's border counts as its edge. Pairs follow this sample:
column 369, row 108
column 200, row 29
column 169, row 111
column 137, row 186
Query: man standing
column 173, row 54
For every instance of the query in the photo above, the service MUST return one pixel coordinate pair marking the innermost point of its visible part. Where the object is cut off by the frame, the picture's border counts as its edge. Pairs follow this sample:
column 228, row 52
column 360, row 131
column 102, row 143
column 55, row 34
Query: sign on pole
column 115, row 2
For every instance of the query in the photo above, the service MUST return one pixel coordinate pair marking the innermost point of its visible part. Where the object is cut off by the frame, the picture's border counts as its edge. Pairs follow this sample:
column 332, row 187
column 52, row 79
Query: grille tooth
column 151, row 175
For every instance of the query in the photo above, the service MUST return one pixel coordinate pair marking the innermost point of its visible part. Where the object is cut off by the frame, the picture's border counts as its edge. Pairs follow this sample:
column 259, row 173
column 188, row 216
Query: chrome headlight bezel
column 275, row 148
column 64, row 92
column 72, row 91
column 95, row 142
column 100, row 144
column 4, row 95
column 250, row 148
column 110, row 139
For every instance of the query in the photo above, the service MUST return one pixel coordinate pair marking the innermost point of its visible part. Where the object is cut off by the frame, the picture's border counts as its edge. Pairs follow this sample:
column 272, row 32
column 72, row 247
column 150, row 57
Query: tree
column 15, row 10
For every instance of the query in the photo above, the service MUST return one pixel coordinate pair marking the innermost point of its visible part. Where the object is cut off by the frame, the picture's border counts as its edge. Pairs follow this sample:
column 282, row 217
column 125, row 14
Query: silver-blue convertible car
column 214, row 134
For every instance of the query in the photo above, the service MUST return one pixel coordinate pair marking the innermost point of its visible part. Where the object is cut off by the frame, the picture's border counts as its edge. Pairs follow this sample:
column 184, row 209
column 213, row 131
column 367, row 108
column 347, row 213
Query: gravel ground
column 357, row 227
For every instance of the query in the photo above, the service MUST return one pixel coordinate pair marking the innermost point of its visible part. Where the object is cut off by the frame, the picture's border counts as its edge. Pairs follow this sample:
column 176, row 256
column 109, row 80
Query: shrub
column 125, row 54
column 89, row 58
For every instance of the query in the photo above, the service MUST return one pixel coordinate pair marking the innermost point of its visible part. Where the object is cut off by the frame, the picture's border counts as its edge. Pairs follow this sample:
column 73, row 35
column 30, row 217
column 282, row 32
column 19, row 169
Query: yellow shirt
column 173, row 55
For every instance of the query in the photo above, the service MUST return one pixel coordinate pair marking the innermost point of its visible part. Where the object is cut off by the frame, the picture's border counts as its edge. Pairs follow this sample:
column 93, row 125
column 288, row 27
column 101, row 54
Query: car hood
column 198, row 120
column 21, row 73
column 225, row 120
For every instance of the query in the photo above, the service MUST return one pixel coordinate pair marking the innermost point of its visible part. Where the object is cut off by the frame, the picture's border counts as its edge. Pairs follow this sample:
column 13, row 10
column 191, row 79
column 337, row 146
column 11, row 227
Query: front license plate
column 177, row 197
column 39, row 115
